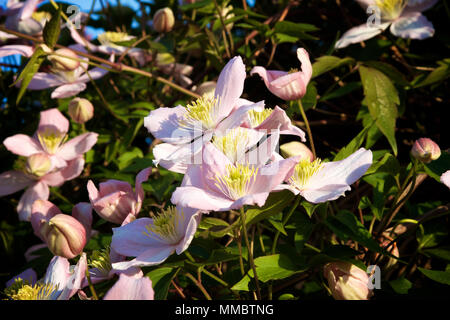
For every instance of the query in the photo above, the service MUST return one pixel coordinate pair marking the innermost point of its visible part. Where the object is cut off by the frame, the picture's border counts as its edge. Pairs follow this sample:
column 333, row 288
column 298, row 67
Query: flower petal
column 83, row 213
column 360, row 33
column 68, row 90
column 192, row 219
column 445, row 178
column 53, row 118
column 13, row 181
column 75, row 280
column 413, row 25
column 9, row 50
column 28, row 275
column 43, row 80
column 77, row 146
column 73, row 170
column 237, row 117
column 419, row 5
column 163, row 151
column 38, row 191
column 42, row 210
column 22, row 145
column 131, row 288
column 199, row 199
column 152, row 256
column 141, row 177
column 278, row 119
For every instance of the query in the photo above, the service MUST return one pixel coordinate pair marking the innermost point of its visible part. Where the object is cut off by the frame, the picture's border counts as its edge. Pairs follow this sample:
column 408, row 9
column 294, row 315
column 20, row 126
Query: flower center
column 237, row 181
column 109, row 38
column 202, row 111
column 256, row 118
column 22, row 290
column 100, row 260
column 51, row 139
column 41, row 16
column 233, row 144
column 38, row 164
column 303, row 171
column 165, row 226
column 390, row 9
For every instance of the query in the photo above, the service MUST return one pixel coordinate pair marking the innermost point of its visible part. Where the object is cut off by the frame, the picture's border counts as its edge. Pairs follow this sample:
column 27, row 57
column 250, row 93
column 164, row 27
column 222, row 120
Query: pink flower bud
column 425, row 150
column 38, row 164
column 65, row 236
column 347, row 281
column 295, row 148
column 64, row 60
column 81, row 110
column 163, row 20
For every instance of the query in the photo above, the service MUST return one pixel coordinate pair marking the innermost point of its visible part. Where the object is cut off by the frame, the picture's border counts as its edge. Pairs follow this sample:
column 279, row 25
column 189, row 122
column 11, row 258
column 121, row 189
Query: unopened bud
column 163, row 20
column 38, row 164
column 425, row 150
column 347, row 281
column 81, row 110
column 65, row 236
column 64, row 60
column 295, row 148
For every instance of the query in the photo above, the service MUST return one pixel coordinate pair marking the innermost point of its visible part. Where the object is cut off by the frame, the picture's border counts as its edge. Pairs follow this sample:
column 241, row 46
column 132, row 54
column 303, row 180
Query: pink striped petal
column 13, row 181
column 68, row 90
column 131, row 288
column 77, row 146
column 38, row 191
column 22, row 145
column 53, row 118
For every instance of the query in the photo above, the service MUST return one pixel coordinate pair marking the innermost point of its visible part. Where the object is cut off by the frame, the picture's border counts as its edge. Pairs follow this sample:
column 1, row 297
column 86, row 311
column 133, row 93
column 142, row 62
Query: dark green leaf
column 52, row 29
column 327, row 63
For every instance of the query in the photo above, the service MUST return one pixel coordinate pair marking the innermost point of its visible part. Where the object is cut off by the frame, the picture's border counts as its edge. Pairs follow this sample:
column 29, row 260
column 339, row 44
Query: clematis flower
column 20, row 49
column 220, row 185
column 50, row 139
column 445, row 178
column 64, row 235
column 319, row 182
column 288, row 85
column 37, row 177
column 22, row 17
column 271, row 119
column 116, row 200
column 68, row 83
column 404, row 18
column 135, row 287
column 185, row 129
column 165, row 63
column 108, row 45
column 153, row 240
column 61, row 281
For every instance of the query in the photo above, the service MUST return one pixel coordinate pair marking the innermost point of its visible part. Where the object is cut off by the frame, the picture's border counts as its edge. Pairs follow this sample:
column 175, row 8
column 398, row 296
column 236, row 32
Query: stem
column 250, row 253
column 199, row 285
column 241, row 260
column 308, row 129
column 225, row 41
column 212, row 275
column 91, row 286
column 285, row 220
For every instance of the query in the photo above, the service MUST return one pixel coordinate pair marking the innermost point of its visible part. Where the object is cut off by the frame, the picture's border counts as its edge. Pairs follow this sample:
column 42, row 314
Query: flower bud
column 163, row 20
column 295, row 148
column 64, row 235
column 81, row 110
column 38, row 164
column 207, row 89
column 65, row 60
column 347, row 281
column 425, row 150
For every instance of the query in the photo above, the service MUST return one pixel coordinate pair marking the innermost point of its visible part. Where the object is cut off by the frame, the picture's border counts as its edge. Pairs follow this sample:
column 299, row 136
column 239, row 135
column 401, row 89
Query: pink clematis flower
column 20, row 49
column 115, row 200
column 21, row 17
column 153, row 240
column 36, row 177
column 135, row 287
column 61, row 281
column 68, row 83
column 185, row 129
column 288, row 85
column 220, row 185
column 404, row 17
column 320, row 182
column 50, row 138
column 65, row 235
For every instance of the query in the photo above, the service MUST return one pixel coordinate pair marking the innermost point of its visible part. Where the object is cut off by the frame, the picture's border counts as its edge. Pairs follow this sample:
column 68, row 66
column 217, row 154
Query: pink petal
column 325, row 193
column 151, row 257
column 73, row 170
column 94, row 74
column 445, row 178
column 278, row 119
column 53, row 118
column 141, row 177
column 115, row 207
column 43, row 80
column 22, row 145
column 58, row 272
column 38, row 191
column 413, row 26
column 192, row 219
column 42, row 210
column 28, row 8
column 13, row 181
column 30, row 253
column 9, row 50
column 68, row 90
column 419, row 5
column 164, row 150
column 197, row 198
column 131, row 288
column 230, row 86
column 83, row 213
column 264, row 151
column 75, row 280
column 92, row 190
column 237, row 117
column 250, row 200
column 306, row 66
column 112, row 186
column 267, row 75
column 77, row 146
column 360, row 33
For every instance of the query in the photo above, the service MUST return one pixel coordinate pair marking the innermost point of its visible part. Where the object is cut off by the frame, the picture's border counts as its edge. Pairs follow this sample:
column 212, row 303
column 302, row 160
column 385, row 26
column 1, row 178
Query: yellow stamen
column 100, row 260
column 109, row 38
column 166, row 226
column 390, row 9
column 41, row 16
column 236, row 182
column 256, row 118
column 203, row 111
column 22, row 290
column 51, row 139
column 304, row 170
column 234, row 144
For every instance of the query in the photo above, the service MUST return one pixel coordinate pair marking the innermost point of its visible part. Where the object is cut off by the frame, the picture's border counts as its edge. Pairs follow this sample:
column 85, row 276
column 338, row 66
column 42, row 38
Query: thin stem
column 308, row 129
column 199, row 285
column 241, row 259
column 250, row 253
column 225, row 41
column 212, row 275
column 91, row 286
column 285, row 220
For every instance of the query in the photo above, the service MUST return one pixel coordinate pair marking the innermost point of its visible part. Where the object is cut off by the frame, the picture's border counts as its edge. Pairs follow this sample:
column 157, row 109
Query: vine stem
column 199, row 285
column 308, row 128
column 250, row 253
column 285, row 220
column 91, row 286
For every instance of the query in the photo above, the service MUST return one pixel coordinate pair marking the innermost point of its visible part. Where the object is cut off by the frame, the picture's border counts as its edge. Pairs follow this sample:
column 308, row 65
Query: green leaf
column 52, row 29
column 401, row 285
column 353, row 146
column 346, row 226
column 437, row 75
column 161, row 279
column 275, row 267
column 438, row 276
column 442, row 252
column 126, row 158
column 437, row 167
column 303, row 230
column 29, row 70
column 276, row 202
column 309, row 100
column 216, row 228
column 389, row 71
column 388, row 164
column 243, row 284
column 346, row 89
column 327, row 63
column 382, row 100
